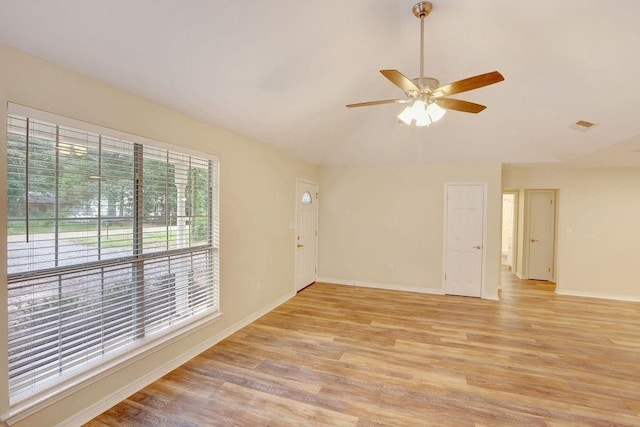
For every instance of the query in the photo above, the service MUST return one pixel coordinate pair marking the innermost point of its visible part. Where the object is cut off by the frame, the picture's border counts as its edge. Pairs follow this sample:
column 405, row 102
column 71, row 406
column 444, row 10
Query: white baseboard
column 388, row 286
column 87, row 414
column 394, row 287
column 598, row 295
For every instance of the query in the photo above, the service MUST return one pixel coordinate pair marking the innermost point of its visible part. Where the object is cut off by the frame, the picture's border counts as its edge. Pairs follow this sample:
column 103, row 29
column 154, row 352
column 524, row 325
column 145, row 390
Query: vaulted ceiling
column 281, row 71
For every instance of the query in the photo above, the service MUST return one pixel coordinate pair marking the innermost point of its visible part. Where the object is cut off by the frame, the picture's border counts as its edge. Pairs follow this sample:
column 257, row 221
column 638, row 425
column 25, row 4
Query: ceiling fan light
column 406, row 115
column 435, row 112
column 424, row 120
column 419, row 106
column 420, row 114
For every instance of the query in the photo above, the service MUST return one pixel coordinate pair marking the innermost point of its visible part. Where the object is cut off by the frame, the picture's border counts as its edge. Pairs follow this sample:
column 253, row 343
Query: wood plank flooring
column 346, row 356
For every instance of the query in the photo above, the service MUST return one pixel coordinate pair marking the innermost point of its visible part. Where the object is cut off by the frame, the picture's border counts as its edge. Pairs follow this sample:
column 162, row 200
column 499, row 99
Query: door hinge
column 549, row 269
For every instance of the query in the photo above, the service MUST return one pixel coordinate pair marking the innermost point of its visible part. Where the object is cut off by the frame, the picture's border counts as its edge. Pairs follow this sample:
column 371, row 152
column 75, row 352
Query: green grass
column 124, row 240
column 37, row 226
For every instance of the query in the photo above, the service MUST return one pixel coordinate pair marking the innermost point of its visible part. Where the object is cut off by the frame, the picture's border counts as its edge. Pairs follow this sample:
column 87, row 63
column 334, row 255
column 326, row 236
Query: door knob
column 300, row 246
column 534, row 240
column 477, row 247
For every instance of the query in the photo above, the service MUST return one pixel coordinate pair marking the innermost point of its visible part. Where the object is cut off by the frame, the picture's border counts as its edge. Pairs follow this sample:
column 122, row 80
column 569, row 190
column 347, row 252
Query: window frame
column 57, row 389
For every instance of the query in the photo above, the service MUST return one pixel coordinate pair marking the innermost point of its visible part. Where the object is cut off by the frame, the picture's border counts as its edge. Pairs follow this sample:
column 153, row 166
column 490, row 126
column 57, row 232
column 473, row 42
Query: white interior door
column 306, row 233
column 464, row 243
column 541, row 234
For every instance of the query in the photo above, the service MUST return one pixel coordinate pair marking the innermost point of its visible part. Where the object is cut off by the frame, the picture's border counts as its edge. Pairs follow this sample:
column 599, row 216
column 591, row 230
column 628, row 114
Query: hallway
column 512, row 287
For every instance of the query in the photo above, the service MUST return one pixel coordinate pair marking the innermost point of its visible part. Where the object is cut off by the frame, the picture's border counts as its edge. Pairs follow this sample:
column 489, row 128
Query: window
column 112, row 245
column 306, row 198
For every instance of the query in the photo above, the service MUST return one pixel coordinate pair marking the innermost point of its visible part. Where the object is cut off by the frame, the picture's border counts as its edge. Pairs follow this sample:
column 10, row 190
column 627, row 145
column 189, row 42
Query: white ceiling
column 281, row 71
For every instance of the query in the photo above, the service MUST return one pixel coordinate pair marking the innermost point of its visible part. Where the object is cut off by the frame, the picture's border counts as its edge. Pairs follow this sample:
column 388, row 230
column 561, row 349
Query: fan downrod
column 422, row 9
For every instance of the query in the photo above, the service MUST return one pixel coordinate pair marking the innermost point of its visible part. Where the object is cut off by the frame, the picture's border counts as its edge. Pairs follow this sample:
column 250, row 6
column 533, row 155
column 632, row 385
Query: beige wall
column 257, row 198
column 384, row 225
column 598, row 227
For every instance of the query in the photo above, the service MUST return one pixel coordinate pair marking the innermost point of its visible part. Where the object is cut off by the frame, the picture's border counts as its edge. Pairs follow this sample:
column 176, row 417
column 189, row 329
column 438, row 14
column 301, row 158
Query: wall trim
column 90, row 412
column 394, row 287
column 628, row 298
column 387, row 286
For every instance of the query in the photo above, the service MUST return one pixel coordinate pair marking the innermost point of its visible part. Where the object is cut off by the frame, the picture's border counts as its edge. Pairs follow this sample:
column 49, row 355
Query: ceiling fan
column 428, row 99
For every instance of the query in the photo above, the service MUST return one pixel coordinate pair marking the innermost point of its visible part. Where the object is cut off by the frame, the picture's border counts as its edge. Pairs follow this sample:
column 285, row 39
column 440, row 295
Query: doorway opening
column 509, row 230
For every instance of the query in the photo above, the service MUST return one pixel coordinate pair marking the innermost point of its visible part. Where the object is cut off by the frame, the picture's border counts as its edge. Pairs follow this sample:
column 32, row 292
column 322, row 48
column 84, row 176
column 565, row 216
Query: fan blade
column 471, row 83
column 382, row 101
column 459, row 105
column 400, row 80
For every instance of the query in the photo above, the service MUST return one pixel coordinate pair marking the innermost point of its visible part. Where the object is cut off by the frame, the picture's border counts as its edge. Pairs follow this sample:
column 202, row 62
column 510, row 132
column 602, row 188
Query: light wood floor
column 340, row 355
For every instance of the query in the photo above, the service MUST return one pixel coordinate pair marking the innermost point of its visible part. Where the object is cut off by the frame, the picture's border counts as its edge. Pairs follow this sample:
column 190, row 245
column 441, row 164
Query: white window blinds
column 109, row 241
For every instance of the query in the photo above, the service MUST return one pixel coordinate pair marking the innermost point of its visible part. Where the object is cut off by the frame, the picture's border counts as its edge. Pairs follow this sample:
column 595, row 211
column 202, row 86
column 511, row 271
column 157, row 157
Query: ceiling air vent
column 582, row 125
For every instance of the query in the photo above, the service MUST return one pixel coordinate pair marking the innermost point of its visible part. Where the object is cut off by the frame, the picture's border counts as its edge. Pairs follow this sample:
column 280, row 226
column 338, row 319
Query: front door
column 541, row 234
column 464, row 239
column 306, row 233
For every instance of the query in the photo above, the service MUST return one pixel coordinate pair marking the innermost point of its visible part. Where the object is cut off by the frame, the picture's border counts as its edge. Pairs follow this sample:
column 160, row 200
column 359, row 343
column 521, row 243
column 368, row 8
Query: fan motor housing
column 426, row 84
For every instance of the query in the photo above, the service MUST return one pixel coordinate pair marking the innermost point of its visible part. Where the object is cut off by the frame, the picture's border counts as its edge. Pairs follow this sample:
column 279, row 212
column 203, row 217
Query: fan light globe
column 406, row 116
column 422, row 114
column 435, row 112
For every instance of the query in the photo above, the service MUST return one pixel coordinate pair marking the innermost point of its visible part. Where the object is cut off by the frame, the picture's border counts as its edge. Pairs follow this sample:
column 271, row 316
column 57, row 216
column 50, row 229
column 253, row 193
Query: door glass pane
column 306, row 198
